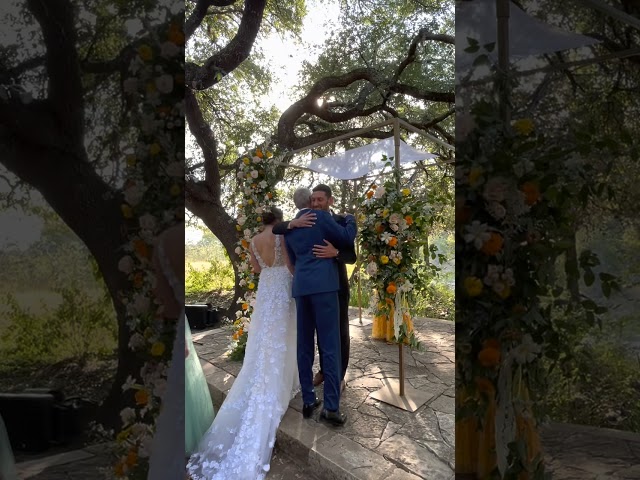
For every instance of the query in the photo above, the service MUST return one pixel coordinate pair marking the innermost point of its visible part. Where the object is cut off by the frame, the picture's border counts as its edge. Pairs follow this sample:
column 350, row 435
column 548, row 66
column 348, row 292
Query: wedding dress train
column 239, row 443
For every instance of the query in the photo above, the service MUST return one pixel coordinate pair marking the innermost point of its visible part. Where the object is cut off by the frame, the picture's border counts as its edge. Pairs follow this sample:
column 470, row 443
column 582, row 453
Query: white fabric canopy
column 527, row 36
column 361, row 161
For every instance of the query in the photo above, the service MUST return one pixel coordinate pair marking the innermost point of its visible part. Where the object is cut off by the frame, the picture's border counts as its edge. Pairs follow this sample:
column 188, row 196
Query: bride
column 239, row 443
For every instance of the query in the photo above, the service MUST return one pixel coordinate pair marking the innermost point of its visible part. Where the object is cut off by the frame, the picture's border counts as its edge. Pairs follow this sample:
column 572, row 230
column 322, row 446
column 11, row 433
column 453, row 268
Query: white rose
column 125, row 265
column 133, row 195
column 147, row 221
column 238, row 250
column 164, row 83
column 254, row 173
column 372, row 269
column 380, row 191
column 258, row 210
column 263, row 184
column 128, row 415
column 169, row 49
column 240, row 175
column 141, row 304
column 159, row 387
column 242, row 220
column 257, row 159
column 395, row 218
column 137, row 341
column 175, row 169
column 394, row 227
column 247, row 233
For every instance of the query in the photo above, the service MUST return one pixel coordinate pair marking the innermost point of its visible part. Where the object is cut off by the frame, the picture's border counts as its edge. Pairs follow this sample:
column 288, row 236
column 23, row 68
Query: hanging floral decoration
column 394, row 224
column 257, row 178
column 152, row 202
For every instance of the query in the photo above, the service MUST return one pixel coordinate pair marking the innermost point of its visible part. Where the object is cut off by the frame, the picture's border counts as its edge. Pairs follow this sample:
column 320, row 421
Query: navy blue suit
column 316, row 282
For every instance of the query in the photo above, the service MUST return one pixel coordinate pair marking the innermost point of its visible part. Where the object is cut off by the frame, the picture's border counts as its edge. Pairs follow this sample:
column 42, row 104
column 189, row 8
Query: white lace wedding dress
column 239, row 443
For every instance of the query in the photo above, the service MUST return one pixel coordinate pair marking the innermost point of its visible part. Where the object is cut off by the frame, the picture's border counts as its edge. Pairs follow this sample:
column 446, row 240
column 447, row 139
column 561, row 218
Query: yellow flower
column 175, row 190
column 246, row 161
column 154, row 149
column 406, row 192
column 157, row 349
column 145, row 52
column 385, row 213
column 384, row 259
column 258, row 219
column 127, row 211
column 269, row 154
column 252, row 286
column 524, row 126
column 123, row 435
column 474, row 175
column 131, row 160
column 250, row 202
column 397, row 261
column 238, row 228
column 473, row 286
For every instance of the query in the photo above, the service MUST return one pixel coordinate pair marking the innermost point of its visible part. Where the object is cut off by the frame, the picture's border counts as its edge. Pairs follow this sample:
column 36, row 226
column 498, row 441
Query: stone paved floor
column 421, row 442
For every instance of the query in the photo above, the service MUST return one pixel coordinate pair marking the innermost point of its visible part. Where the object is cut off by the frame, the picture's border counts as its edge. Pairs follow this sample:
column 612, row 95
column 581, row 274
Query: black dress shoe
column 336, row 419
column 307, row 410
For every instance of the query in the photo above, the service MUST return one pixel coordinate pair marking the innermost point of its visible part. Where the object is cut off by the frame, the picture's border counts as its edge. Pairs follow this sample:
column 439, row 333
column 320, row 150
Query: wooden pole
column 502, row 13
column 396, row 138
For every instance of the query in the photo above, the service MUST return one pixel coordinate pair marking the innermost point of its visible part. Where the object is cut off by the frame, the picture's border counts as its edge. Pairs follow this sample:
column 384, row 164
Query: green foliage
column 219, row 276
column 237, row 353
column 80, row 327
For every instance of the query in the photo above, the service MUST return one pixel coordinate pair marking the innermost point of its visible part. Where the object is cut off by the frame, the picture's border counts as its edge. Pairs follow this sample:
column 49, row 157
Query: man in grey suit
column 316, row 283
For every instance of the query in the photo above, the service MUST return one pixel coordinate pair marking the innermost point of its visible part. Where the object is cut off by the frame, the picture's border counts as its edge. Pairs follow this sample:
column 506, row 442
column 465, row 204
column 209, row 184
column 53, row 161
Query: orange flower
column 142, row 397
column 269, row 195
column 391, row 288
column 245, row 306
column 531, row 192
column 489, row 357
column 493, row 245
column 119, row 469
column 393, row 241
column 370, row 194
column 132, row 457
column 259, row 153
column 244, row 243
column 389, row 301
column 138, row 279
column 141, row 248
column 175, row 34
column 408, row 219
column 491, row 343
column 379, row 227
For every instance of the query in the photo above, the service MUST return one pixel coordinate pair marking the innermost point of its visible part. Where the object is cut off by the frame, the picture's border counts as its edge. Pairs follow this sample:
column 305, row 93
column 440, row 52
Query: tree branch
column 233, row 54
column 447, row 97
column 10, row 74
column 198, row 14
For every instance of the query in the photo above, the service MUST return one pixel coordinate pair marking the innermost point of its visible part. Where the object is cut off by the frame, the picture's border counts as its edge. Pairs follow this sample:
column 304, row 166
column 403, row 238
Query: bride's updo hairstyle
column 271, row 215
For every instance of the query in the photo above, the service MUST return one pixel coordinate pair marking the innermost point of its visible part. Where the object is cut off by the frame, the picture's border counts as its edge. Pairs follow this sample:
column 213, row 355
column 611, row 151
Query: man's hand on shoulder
column 305, row 220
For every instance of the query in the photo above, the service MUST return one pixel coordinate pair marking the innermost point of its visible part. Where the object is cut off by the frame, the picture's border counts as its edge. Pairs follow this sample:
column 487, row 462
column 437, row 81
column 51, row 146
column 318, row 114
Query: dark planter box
column 201, row 316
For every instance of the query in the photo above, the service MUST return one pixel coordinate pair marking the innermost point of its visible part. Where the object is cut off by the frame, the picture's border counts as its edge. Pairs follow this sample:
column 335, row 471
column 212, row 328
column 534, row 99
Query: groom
column 315, row 287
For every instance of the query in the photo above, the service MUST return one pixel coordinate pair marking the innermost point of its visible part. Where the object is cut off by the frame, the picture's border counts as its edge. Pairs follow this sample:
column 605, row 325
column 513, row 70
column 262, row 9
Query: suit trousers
column 345, row 339
column 319, row 313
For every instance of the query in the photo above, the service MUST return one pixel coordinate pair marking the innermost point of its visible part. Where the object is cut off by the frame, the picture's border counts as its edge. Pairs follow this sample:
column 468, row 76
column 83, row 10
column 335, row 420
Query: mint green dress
column 7, row 463
column 198, row 407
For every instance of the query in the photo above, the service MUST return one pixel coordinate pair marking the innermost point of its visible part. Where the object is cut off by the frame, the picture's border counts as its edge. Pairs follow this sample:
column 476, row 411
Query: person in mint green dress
column 198, row 408
column 7, row 463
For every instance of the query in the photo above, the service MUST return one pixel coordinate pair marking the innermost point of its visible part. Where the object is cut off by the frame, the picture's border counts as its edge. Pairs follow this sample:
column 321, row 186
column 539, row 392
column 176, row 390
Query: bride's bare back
column 264, row 244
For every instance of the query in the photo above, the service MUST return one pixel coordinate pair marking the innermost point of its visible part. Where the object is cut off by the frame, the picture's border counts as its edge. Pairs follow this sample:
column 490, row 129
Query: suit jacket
column 346, row 255
column 317, row 275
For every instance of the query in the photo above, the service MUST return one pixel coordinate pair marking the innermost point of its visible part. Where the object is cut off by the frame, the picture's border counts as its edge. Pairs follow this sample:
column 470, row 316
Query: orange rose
column 244, row 243
column 370, row 194
column 379, row 227
column 531, row 192
column 269, row 195
column 391, row 288
column 408, row 219
column 259, row 153
column 393, row 241
column 142, row 397
column 493, row 245
column 141, row 248
column 245, row 306
column 132, row 458
column 489, row 357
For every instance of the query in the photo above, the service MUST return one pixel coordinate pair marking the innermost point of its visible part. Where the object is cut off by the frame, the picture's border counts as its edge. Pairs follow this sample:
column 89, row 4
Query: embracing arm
column 341, row 236
column 304, row 220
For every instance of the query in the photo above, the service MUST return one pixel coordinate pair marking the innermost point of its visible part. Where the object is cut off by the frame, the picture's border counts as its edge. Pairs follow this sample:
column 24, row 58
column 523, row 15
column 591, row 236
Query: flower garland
column 505, row 233
column 393, row 231
column 257, row 179
column 152, row 202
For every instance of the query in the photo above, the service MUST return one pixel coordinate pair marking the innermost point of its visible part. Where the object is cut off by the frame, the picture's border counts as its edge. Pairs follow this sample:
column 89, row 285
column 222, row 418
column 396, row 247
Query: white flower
column 385, row 237
column 130, row 85
column 238, row 250
column 133, row 195
column 380, row 191
column 527, row 351
column 128, row 415
column 169, row 49
column 263, row 184
column 496, row 210
column 141, row 304
column 247, row 233
column 242, row 220
column 407, row 286
column 147, row 221
column 496, row 188
column 254, row 173
column 257, row 159
column 137, row 341
column 523, row 167
column 128, row 384
column 240, row 175
column 372, row 269
column 125, row 265
column 175, row 169
column 395, row 218
column 477, row 233
column 258, row 210
column 242, row 283
column 164, row 83
column 394, row 227
column 159, row 387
